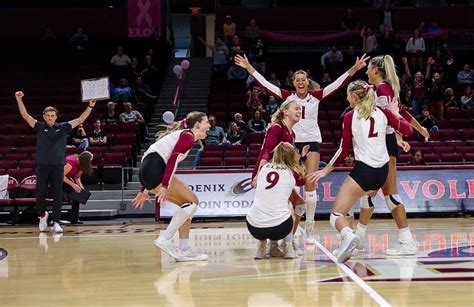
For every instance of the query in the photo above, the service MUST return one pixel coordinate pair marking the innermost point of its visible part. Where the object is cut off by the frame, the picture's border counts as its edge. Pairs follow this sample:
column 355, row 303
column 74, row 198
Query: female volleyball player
column 157, row 175
column 281, row 130
column 381, row 72
column 270, row 216
column 364, row 129
column 307, row 94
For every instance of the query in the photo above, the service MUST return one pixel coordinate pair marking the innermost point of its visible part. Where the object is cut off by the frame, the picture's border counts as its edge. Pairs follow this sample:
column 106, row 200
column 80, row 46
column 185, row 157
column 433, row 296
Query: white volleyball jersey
column 275, row 183
column 307, row 129
column 367, row 136
column 172, row 148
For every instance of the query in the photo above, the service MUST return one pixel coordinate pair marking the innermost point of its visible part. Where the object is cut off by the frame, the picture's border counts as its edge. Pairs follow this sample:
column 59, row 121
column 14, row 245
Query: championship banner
column 143, row 17
column 230, row 194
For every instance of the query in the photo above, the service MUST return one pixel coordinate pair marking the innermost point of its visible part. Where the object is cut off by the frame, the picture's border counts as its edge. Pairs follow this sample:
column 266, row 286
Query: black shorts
column 151, row 171
column 274, row 233
column 313, row 146
column 369, row 178
column 392, row 146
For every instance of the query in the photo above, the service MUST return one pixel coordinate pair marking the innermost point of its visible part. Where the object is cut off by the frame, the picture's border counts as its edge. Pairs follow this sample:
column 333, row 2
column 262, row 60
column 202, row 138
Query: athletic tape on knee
column 299, row 209
column 189, row 209
column 392, row 201
column 366, row 202
column 350, row 213
column 333, row 217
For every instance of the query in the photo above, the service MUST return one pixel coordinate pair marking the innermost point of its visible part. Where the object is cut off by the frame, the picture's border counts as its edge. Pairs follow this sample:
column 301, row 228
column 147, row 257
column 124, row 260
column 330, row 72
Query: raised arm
column 405, row 65
column 76, row 122
column 21, row 106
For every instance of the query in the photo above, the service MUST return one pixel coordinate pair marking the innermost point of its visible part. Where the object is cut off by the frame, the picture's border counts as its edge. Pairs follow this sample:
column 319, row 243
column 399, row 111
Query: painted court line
column 369, row 290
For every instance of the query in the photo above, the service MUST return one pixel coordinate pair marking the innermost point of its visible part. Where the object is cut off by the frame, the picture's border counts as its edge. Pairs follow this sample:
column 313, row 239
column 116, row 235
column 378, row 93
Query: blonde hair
column 312, row 86
column 191, row 119
column 287, row 154
column 279, row 114
column 386, row 65
column 366, row 96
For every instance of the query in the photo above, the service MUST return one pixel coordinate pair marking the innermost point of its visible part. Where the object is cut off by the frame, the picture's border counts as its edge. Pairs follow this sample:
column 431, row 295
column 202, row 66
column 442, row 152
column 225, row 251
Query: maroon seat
column 97, row 149
column 324, row 124
column 337, row 135
column 10, row 140
column 29, row 140
column 110, row 128
column 114, row 159
column 235, row 161
column 455, row 143
column 214, row 147
column 212, row 153
column 127, row 149
column 256, row 137
column 128, row 128
column 6, row 150
column 435, row 144
column 434, row 135
column 336, row 124
column 27, row 164
column 252, row 161
column 327, row 151
column 328, row 145
column 451, row 158
column 26, row 150
column 462, row 123
column 469, row 157
column 465, row 149
column 334, row 115
column 449, row 134
column 468, row 134
column 8, row 164
column 235, row 153
column 125, row 139
column 17, row 157
column 210, row 162
column 431, row 158
column 242, row 147
column 255, row 146
column 443, row 123
column 424, row 150
column 73, row 150
column 20, row 174
column 404, row 159
column 327, row 136
column 97, row 159
column 253, row 153
column 444, row 150
column 455, row 113
column 113, row 162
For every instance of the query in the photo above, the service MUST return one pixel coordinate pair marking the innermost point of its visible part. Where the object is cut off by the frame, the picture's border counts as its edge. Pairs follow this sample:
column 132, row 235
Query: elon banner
column 143, row 17
column 229, row 193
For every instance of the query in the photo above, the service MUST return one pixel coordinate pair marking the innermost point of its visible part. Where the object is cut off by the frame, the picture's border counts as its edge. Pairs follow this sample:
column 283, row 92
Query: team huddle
column 289, row 159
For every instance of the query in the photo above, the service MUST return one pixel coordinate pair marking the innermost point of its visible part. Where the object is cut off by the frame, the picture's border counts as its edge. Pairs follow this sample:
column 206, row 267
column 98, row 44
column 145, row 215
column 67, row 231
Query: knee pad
column 333, row 217
column 392, row 201
column 311, row 197
column 299, row 210
column 190, row 209
column 367, row 202
column 350, row 213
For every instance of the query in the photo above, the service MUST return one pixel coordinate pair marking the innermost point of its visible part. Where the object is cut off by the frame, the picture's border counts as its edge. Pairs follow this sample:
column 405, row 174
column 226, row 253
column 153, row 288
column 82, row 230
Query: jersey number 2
column 372, row 134
column 272, row 179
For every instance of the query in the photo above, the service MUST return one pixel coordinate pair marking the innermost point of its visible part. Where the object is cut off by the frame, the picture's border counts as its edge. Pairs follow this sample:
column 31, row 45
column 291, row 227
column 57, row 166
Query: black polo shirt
column 51, row 142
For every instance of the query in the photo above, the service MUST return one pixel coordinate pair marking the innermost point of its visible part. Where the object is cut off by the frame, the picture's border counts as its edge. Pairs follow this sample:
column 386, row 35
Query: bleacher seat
column 431, row 158
column 235, row 161
column 451, row 157
column 20, row 173
column 444, row 150
column 210, row 162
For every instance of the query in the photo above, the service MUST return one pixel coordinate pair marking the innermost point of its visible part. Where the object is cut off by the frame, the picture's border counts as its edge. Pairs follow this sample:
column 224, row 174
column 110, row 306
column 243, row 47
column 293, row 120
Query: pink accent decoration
column 143, row 17
column 185, row 64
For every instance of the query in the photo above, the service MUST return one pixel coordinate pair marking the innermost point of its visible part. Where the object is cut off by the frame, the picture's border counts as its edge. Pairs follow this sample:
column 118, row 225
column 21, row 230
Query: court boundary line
column 359, row 281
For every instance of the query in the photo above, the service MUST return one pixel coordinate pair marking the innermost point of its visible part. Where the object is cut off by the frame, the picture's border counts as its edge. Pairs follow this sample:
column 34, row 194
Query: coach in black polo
column 51, row 139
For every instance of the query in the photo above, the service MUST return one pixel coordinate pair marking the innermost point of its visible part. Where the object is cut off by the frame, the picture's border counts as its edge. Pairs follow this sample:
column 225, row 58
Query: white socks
column 178, row 219
column 183, row 244
column 360, row 230
column 311, row 200
column 405, row 235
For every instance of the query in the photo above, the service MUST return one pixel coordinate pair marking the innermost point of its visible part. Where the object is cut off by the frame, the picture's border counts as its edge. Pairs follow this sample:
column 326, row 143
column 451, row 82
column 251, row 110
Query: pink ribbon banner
column 143, row 17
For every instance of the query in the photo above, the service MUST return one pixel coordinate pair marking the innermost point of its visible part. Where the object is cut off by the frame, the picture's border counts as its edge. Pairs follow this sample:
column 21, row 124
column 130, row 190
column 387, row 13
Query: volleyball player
column 382, row 73
column 364, row 129
column 270, row 216
column 157, row 175
column 307, row 94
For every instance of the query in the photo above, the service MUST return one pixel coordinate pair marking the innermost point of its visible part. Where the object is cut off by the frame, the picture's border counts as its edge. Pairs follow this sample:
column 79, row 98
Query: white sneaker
column 299, row 232
column 298, row 251
column 348, row 244
column 402, row 249
column 275, row 250
column 190, row 255
column 261, row 250
column 168, row 247
column 56, row 228
column 43, row 222
column 335, row 252
column 289, row 252
column 361, row 245
column 309, row 232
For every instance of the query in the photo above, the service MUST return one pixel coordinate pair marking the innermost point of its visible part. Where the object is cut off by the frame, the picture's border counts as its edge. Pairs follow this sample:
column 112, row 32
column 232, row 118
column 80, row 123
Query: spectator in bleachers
column 349, row 160
column 75, row 166
column 349, row 22
column 130, row 116
column 149, row 71
column 415, row 49
column 386, row 41
column 427, row 120
column 135, row 70
column 385, row 13
column 254, row 101
column 450, row 99
column 257, row 124
column 49, row 35
column 274, row 80
column 241, row 124
column 466, row 76
column 251, row 33
column 418, row 86
column 417, row 159
column 78, row 138
column 435, row 89
column 235, row 48
column 97, row 137
column 398, row 46
column 141, row 89
column 234, row 136
column 271, row 106
column 288, row 82
column 79, row 40
column 440, row 63
column 120, row 59
column 259, row 56
column 325, row 80
column 229, row 28
column 406, row 100
column 421, row 27
column 220, row 54
column 467, row 103
column 369, row 41
column 331, row 58
column 215, row 135
column 123, row 92
column 406, row 85
column 236, row 72
column 111, row 117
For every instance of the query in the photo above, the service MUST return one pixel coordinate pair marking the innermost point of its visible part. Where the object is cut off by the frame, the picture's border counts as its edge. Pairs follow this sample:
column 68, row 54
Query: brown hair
column 386, row 66
column 313, row 85
column 366, row 96
column 191, row 119
column 84, row 161
column 51, row 109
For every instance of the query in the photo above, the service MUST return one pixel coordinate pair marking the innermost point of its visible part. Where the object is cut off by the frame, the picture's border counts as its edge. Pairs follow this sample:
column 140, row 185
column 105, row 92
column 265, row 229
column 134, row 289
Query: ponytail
column 279, row 114
column 187, row 123
column 386, row 66
column 366, row 95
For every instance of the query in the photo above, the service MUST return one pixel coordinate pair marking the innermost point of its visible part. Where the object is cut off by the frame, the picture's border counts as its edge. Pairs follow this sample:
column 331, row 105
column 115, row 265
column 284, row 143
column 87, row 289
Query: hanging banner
column 143, row 17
